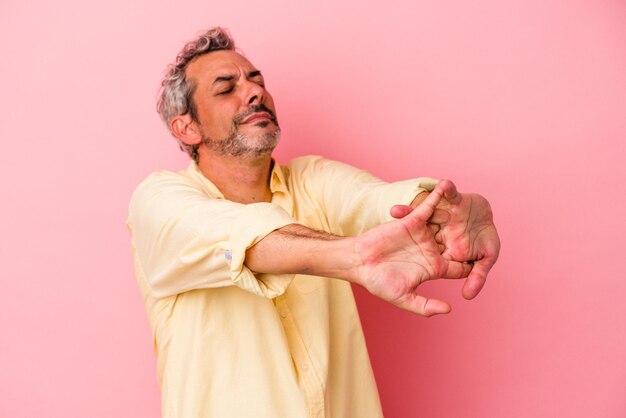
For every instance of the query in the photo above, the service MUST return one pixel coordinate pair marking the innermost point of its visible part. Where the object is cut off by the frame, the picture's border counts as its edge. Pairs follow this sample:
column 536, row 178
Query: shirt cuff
column 255, row 222
column 403, row 193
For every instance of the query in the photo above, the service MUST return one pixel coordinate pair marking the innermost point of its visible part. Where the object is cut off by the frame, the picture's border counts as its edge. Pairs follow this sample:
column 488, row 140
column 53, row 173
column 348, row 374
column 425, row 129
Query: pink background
column 523, row 101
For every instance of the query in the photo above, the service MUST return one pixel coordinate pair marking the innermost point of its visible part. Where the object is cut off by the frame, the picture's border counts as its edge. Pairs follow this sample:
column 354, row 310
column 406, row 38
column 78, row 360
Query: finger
column 427, row 207
column 477, row 277
column 457, row 270
column 440, row 216
column 424, row 306
column 439, row 237
column 449, row 191
column 434, row 228
column 400, row 211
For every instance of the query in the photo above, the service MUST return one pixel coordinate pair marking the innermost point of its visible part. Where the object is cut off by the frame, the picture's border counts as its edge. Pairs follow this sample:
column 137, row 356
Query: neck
column 242, row 179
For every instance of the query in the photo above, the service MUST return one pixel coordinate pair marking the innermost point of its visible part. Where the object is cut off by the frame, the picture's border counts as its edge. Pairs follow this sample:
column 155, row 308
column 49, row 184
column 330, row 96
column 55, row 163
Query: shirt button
column 283, row 313
column 305, row 366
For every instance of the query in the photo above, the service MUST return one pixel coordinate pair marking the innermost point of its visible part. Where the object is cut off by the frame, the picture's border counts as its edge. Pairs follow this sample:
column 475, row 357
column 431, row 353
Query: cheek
column 215, row 124
column 215, row 114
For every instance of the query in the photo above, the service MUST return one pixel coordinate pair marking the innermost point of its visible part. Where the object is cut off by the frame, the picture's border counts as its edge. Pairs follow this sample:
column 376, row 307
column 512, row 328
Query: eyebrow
column 230, row 77
column 224, row 78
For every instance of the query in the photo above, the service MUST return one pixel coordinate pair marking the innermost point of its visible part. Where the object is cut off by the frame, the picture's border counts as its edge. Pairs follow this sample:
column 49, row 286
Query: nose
column 255, row 93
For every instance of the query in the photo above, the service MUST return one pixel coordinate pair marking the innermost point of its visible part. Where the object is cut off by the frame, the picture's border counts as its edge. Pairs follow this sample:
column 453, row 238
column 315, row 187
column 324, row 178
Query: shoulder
column 313, row 164
column 165, row 186
column 304, row 163
column 318, row 168
column 162, row 180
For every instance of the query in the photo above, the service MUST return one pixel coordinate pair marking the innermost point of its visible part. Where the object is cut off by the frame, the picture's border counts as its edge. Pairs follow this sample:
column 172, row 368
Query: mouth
column 258, row 117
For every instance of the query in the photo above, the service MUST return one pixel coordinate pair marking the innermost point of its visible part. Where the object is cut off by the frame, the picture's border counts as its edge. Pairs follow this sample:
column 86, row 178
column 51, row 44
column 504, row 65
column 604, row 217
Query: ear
column 185, row 129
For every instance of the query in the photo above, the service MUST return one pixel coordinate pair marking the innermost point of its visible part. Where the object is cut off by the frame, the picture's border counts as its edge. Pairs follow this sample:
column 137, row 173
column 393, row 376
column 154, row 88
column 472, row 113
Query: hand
column 396, row 257
column 466, row 231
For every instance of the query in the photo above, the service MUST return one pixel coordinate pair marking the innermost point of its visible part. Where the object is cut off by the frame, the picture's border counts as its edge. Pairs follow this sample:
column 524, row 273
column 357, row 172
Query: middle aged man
column 245, row 265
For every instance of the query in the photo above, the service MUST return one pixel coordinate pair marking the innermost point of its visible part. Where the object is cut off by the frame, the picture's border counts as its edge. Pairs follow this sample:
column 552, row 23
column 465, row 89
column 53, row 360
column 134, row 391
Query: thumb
column 477, row 277
column 400, row 211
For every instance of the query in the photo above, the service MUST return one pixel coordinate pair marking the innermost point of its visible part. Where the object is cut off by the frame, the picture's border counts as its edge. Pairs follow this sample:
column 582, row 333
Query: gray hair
column 176, row 93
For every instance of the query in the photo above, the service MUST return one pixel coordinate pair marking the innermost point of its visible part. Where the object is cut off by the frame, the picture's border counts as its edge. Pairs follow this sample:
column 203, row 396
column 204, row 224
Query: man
column 245, row 265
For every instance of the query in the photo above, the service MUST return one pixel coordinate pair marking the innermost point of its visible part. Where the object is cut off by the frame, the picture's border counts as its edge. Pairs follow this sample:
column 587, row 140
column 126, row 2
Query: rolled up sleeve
column 185, row 240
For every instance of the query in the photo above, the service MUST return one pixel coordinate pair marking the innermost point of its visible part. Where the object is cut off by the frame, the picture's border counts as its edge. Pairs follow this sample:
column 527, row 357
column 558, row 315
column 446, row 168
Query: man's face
column 236, row 114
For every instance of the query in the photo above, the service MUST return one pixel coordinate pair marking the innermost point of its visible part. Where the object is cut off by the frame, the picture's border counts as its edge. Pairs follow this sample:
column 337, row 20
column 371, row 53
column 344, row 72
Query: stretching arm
column 390, row 260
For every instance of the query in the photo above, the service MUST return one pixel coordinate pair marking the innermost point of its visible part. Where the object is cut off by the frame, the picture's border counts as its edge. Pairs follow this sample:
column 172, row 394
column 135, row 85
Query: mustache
column 254, row 109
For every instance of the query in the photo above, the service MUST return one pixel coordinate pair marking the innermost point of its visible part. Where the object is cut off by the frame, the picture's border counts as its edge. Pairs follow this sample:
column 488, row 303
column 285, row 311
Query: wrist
column 353, row 261
column 341, row 260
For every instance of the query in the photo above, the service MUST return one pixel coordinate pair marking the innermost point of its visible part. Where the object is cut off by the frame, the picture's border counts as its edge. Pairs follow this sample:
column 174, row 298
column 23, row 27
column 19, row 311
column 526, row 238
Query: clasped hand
column 448, row 235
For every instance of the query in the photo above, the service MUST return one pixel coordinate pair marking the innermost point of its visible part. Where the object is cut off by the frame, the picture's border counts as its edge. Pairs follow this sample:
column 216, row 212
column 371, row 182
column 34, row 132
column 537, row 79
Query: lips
column 256, row 117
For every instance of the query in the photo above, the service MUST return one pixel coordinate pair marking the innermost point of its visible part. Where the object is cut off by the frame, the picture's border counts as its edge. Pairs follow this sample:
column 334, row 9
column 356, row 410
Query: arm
column 390, row 260
column 184, row 239
column 352, row 200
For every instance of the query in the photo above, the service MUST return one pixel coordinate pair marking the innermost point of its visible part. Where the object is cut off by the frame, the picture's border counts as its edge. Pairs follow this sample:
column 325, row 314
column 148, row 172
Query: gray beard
column 238, row 144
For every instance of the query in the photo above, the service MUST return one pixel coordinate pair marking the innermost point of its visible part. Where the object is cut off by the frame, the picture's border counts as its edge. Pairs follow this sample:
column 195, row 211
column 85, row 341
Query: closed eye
column 225, row 92
column 256, row 77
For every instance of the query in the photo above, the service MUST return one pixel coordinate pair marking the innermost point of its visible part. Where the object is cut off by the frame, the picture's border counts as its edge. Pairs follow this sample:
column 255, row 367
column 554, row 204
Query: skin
column 442, row 235
column 243, row 178
column 390, row 261
column 465, row 231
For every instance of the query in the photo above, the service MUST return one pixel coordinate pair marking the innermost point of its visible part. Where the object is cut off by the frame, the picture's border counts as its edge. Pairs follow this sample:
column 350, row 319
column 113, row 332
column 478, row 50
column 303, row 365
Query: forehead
column 217, row 63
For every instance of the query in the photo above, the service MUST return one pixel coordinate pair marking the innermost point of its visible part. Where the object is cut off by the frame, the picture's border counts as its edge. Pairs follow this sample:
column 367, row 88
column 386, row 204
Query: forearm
column 390, row 260
column 301, row 250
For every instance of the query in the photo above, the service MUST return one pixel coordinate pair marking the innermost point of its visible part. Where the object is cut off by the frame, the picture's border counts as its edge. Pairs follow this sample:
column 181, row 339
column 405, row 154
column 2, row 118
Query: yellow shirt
column 232, row 343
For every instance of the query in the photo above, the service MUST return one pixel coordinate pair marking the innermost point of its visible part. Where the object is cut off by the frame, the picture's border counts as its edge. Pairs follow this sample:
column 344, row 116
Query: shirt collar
column 278, row 178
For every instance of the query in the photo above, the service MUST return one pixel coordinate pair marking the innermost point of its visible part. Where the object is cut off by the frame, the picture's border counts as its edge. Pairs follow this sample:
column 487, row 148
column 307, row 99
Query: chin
column 257, row 145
